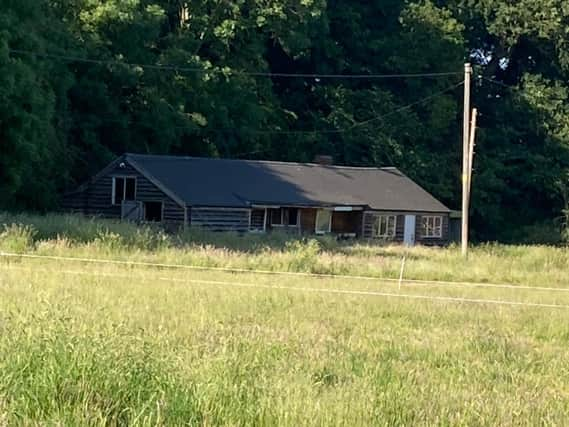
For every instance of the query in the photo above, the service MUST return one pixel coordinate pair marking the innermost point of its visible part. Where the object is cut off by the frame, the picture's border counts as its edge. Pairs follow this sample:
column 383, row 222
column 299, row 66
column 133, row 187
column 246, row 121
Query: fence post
column 402, row 270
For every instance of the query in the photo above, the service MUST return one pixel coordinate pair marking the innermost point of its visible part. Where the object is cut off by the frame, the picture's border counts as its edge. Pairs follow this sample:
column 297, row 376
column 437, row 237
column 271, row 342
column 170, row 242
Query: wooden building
column 260, row 196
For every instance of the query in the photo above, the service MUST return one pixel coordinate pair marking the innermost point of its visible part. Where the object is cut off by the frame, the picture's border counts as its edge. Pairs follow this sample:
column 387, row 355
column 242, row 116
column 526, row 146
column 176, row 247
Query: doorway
column 409, row 233
column 153, row 211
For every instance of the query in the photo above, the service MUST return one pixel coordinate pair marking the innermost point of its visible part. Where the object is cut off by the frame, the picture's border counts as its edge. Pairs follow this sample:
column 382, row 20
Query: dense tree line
column 84, row 80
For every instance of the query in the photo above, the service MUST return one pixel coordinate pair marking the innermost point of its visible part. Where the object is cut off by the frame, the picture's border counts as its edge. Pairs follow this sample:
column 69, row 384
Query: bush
column 565, row 226
column 540, row 234
column 149, row 239
column 243, row 242
column 304, row 255
column 109, row 241
column 17, row 238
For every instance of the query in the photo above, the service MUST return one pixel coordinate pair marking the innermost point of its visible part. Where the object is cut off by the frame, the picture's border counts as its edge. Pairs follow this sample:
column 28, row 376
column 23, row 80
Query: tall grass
column 66, row 235
column 105, row 344
column 16, row 238
column 97, row 349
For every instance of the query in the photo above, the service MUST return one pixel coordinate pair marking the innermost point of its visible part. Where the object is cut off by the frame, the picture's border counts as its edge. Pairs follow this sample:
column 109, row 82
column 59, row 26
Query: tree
column 189, row 77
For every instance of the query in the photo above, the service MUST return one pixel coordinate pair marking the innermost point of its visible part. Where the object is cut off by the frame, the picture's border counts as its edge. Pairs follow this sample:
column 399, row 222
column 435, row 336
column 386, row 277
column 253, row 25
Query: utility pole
column 465, row 157
column 471, row 145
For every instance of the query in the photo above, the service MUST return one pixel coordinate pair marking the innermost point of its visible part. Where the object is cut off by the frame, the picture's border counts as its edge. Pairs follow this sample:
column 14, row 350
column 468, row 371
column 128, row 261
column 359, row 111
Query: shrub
column 565, row 226
column 540, row 234
column 304, row 255
column 110, row 241
column 17, row 238
column 149, row 239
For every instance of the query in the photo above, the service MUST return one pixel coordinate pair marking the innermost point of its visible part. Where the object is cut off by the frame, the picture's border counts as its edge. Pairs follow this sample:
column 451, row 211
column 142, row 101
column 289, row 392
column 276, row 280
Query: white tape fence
column 370, row 293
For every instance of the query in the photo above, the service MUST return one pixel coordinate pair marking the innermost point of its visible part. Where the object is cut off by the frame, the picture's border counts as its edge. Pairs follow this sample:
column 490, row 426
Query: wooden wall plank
column 369, row 217
column 96, row 199
column 307, row 221
column 220, row 219
column 257, row 219
column 347, row 222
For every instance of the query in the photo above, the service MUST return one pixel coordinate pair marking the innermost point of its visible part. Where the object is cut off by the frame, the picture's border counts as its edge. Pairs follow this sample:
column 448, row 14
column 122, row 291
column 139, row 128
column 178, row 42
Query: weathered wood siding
column 342, row 222
column 347, row 222
column 290, row 229
column 432, row 241
column 75, row 202
column 369, row 218
column 307, row 221
column 257, row 219
column 455, row 230
column 220, row 219
column 96, row 198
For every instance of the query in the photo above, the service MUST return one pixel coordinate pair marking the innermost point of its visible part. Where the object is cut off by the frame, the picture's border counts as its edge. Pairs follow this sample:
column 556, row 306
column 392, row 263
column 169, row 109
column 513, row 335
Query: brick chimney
column 323, row 159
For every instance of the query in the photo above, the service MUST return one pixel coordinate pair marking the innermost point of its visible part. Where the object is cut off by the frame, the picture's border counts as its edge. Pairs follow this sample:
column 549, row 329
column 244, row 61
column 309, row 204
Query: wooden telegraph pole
column 465, row 157
column 471, row 144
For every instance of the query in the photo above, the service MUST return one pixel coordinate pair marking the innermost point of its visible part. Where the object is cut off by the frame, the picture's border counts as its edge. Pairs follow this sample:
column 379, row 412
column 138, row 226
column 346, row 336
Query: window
column 384, row 226
column 257, row 220
column 276, row 217
column 124, row 188
column 432, row 226
column 290, row 216
column 323, row 221
column 287, row 217
column 153, row 211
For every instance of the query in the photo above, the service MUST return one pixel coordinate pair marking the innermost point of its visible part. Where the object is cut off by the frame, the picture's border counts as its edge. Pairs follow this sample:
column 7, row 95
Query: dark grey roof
column 242, row 183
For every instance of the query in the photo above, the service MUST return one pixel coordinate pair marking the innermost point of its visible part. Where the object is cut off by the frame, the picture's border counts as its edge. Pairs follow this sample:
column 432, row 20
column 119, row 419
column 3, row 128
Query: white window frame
column 124, row 187
column 385, row 219
column 318, row 213
column 430, row 228
column 271, row 217
column 265, row 214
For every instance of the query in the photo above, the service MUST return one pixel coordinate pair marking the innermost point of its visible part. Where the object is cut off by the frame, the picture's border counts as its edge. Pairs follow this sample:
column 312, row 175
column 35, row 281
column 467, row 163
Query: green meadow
column 180, row 341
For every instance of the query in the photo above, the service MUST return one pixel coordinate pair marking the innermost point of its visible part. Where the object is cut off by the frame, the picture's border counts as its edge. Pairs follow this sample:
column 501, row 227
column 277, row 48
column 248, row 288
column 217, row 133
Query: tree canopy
column 84, row 80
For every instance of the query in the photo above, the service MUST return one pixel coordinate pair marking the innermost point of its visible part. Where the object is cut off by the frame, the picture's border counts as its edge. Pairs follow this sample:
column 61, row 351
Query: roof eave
column 155, row 181
column 85, row 185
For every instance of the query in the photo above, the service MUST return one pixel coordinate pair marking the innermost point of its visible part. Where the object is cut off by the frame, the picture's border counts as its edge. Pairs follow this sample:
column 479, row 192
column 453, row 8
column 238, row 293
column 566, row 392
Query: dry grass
column 80, row 237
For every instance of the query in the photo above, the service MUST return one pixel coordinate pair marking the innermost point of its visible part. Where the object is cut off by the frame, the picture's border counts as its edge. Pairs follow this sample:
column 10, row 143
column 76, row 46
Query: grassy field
column 116, row 344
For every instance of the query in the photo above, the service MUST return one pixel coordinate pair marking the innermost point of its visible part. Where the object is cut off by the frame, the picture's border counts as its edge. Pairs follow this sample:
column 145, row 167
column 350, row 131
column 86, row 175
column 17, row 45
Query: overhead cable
column 180, row 69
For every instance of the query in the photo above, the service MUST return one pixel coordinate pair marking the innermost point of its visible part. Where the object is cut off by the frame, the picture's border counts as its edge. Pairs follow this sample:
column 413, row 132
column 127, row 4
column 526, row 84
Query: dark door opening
column 153, row 211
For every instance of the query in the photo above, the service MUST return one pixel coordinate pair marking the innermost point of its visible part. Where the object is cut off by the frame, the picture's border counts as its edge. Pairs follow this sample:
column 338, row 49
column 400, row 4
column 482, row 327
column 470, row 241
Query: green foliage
column 113, row 377
column 31, row 150
column 106, row 239
column 144, row 239
column 565, row 226
column 110, row 344
column 62, row 120
column 304, row 255
column 540, row 234
column 17, row 238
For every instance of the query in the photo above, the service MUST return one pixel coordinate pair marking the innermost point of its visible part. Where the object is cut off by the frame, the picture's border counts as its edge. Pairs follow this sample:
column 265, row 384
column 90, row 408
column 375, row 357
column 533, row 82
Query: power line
column 353, row 127
column 498, row 83
column 405, row 107
column 349, row 129
column 69, row 58
column 260, row 74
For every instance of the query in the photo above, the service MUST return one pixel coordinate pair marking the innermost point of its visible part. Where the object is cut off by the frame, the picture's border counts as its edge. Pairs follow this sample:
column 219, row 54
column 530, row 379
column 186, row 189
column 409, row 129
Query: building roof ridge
column 275, row 162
